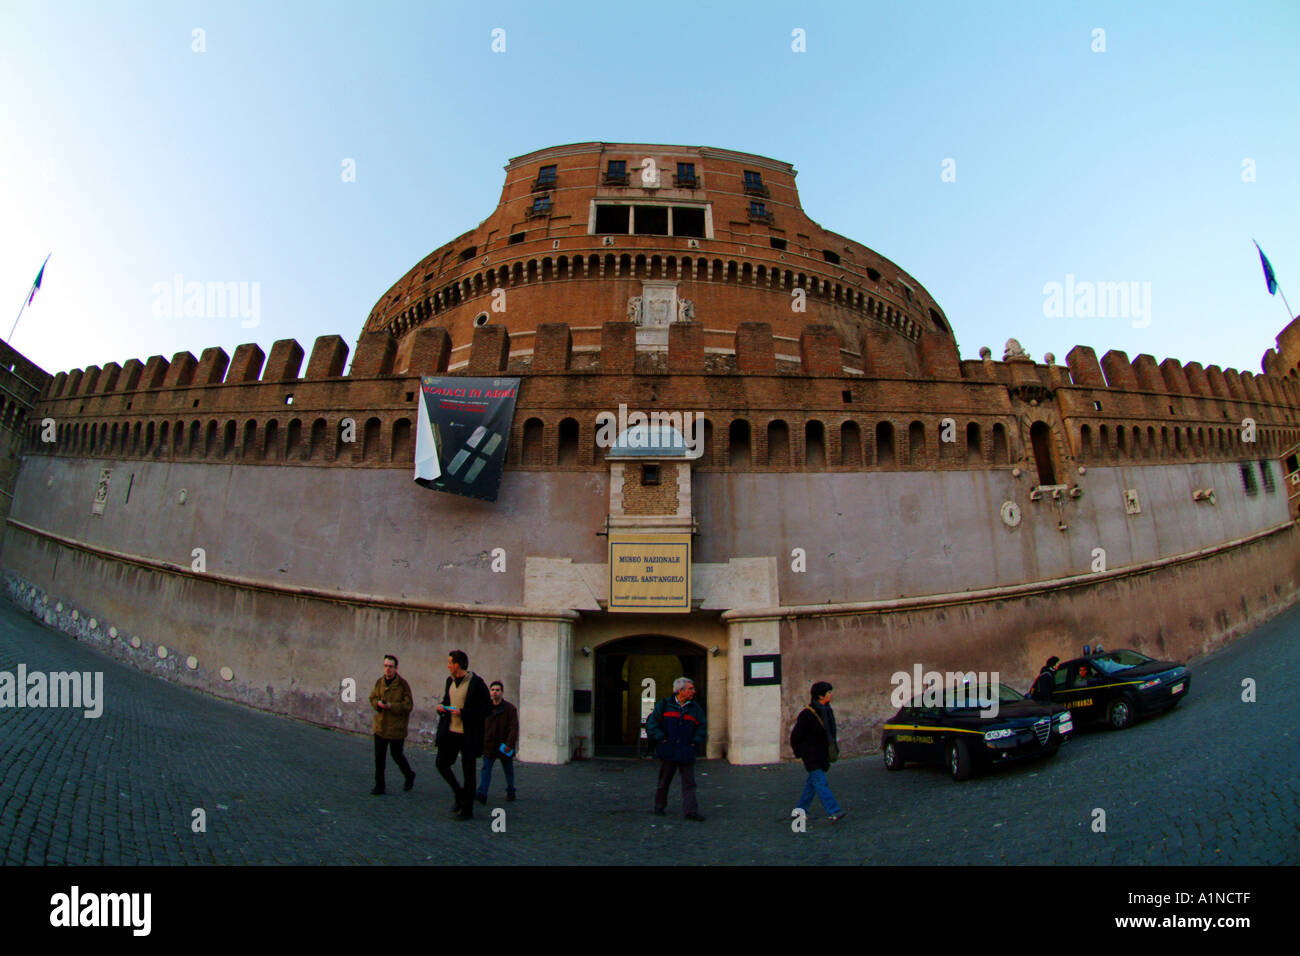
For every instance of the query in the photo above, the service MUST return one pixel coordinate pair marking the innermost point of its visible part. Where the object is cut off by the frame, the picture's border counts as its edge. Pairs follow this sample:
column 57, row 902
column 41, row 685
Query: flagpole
column 1290, row 316
column 28, row 298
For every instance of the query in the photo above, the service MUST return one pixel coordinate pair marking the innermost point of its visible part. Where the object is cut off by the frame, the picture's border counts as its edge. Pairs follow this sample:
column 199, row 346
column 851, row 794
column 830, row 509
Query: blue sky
column 134, row 159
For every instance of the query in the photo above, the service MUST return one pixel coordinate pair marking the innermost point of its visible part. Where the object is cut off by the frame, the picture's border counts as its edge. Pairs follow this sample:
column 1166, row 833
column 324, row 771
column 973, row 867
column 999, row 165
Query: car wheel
column 959, row 762
column 893, row 761
column 1121, row 713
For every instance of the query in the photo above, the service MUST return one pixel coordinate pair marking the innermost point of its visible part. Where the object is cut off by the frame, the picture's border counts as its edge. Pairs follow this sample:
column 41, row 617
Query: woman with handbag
column 813, row 741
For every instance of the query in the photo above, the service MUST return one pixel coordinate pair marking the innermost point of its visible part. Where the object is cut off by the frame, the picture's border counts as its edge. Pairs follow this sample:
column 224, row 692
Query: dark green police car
column 1119, row 686
column 970, row 738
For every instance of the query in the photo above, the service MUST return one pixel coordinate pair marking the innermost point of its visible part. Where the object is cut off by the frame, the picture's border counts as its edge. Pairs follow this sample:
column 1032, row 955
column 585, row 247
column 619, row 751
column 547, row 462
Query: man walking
column 813, row 741
column 392, row 701
column 676, row 725
column 464, row 708
column 500, row 741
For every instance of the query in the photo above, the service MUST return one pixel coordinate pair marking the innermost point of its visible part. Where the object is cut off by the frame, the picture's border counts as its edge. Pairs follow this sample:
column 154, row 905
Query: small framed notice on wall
column 762, row 669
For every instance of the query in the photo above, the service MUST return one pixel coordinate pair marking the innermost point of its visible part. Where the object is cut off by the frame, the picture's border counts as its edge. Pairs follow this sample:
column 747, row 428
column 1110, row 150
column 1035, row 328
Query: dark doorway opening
column 632, row 674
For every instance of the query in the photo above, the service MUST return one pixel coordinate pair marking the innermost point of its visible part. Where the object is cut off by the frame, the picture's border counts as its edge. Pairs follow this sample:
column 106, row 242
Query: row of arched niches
column 736, row 443
column 654, row 266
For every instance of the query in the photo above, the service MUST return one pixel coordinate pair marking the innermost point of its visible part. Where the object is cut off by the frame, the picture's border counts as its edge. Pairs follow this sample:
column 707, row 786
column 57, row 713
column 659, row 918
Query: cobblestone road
column 1216, row 781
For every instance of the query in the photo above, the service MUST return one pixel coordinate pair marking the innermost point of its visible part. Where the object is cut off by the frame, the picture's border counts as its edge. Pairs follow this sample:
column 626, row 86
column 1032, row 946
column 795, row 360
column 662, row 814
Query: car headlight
column 1064, row 718
column 1149, row 684
column 999, row 734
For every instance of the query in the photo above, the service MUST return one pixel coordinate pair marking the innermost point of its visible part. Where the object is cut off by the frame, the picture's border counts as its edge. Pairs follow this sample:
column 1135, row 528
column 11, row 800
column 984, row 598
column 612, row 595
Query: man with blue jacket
column 676, row 726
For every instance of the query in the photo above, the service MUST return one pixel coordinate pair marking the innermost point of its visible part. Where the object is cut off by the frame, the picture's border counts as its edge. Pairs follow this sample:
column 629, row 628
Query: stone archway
column 631, row 673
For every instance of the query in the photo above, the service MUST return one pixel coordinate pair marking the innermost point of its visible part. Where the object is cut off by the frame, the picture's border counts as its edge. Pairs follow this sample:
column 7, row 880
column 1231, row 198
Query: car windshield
column 1117, row 661
column 982, row 696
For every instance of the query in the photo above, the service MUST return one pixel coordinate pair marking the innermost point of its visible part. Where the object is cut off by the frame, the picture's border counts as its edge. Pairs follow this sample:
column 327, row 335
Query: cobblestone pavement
column 1215, row 781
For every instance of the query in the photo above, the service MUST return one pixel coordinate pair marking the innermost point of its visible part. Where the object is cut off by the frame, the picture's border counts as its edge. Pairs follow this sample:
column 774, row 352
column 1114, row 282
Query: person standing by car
column 1046, row 680
column 813, row 741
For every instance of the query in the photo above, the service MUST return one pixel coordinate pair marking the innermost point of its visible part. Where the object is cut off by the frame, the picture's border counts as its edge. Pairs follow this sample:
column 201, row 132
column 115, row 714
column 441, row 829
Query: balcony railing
column 615, row 179
column 686, row 182
column 756, row 189
column 543, row 183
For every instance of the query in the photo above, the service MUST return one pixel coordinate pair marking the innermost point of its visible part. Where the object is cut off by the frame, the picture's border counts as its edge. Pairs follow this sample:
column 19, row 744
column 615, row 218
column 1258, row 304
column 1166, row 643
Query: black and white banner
column 462, row 434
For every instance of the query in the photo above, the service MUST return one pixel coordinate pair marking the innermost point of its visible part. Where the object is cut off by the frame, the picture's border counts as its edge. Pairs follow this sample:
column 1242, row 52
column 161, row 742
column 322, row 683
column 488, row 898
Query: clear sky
column 134, row 158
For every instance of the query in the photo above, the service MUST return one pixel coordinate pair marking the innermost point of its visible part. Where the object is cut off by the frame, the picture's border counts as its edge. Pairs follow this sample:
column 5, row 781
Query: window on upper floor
column 686, row 176
column 650, row 220
column 759, row 211
column 468, row 254
column 615, row 219
column 545, row 178
column 541, row 207
column 616, row 173
column 688, row 221
column 777, row 243
column 754, row 183
column 516, row 238
column 831, row 256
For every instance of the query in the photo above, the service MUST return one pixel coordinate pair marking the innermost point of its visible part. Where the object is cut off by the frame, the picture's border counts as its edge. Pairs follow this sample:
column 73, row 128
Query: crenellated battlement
column 770, row 401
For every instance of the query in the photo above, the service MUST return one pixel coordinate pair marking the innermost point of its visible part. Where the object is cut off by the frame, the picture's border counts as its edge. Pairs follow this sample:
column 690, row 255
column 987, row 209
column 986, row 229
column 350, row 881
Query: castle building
column 834, row 494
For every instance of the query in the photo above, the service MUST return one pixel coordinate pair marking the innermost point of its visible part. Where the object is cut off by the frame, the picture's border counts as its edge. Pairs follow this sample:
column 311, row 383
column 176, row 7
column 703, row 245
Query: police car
column 965, row 740
column 1119, row 686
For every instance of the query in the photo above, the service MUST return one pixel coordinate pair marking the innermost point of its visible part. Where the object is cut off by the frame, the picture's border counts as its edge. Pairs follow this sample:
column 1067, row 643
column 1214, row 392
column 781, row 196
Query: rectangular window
column 758, row 210
column 541, row 206
column 686, row 175
column 832, row 257
column 516, row 238
column 1248, row 479
column 1266, row 472
column 688, row 221
column 753, row 180
column 616, row 173
column 649, row 474
column 612, row 219
column 468, row 254
column 650, row 221
column 777, row 243
column 545, row 178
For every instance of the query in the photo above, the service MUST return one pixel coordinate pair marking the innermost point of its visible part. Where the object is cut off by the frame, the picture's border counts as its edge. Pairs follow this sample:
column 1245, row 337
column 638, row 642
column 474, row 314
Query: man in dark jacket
column 1042, row 689
column 676, row 726
column 811, row 740
column 500, row 741
column 464, row 709
column 392, row 702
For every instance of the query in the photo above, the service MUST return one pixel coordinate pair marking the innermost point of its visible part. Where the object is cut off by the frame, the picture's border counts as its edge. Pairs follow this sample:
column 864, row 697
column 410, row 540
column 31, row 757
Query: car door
column 929, row 734
column 1073, row 688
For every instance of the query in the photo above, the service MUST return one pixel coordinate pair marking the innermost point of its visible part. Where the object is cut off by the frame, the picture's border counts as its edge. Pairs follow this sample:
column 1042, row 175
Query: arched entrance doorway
column 631, row 674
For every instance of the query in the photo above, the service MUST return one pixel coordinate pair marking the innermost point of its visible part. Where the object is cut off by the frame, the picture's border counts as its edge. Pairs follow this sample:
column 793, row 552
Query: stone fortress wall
column 825, row 431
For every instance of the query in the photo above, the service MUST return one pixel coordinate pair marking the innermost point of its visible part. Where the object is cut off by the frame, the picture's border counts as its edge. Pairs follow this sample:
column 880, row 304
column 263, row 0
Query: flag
column 1269, row 277
column 40, row 275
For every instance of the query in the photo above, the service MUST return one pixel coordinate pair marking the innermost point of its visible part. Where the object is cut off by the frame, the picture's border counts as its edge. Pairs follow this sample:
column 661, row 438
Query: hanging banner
column 650, row 572
column 462, row 432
